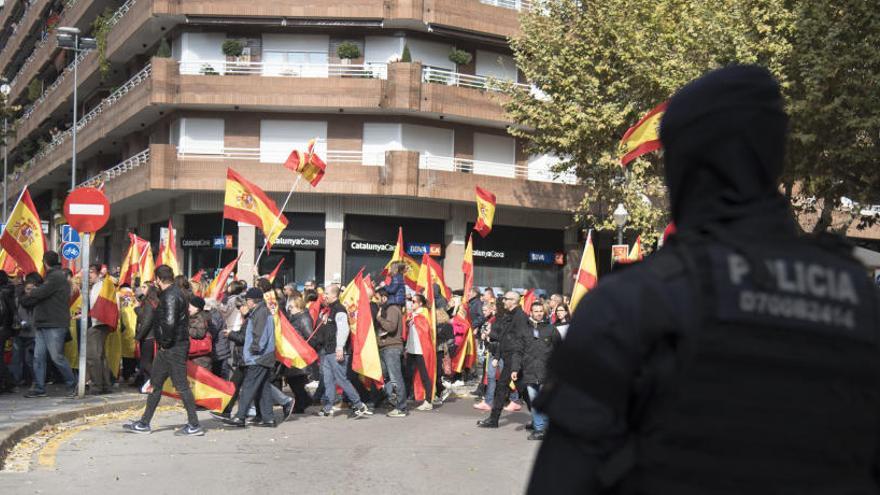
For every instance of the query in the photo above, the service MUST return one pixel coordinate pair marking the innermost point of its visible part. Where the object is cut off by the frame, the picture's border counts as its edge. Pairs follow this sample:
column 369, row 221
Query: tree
column 600, row 65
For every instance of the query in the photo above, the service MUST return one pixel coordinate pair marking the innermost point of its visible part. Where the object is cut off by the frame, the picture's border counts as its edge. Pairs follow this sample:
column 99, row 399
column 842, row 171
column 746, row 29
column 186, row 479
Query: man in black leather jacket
column 171, row 331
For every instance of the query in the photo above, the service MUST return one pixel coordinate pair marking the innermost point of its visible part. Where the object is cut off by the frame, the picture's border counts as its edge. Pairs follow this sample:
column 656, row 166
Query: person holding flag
column 104, row 313
column 419, row 349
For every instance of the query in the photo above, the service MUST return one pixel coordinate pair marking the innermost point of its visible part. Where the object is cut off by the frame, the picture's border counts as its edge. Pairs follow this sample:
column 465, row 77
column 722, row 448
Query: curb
column 18, row 434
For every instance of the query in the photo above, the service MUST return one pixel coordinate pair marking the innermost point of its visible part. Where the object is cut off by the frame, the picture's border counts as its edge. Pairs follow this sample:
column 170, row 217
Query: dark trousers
column 502, row 390
column 171, row 363
column 296, row 380
column 7, row 382
column 415, row 363
column 237, row 379
column 255, row 387
column 148, row 353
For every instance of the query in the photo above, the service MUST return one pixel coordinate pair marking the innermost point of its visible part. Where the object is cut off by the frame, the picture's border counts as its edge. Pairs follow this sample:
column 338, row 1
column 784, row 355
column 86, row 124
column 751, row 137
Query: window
column 295, row 55
column 279, row 137
column 379, row 138
column 494, row 155
column 199, row 136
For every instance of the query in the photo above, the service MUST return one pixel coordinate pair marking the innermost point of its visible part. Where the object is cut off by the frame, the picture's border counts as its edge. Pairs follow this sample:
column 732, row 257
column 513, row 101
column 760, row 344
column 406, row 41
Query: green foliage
column 101, row 28
column 34, row 90
column 406, row 56
column 233, row 48
column 164, row 49
column 348, row 50
column 460, row 57
column 600, row 66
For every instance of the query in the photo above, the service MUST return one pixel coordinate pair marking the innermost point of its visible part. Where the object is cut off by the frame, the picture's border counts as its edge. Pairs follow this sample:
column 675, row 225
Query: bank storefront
column 369, row 241
column 519, row 258
column 207, row 243
column 302, row 247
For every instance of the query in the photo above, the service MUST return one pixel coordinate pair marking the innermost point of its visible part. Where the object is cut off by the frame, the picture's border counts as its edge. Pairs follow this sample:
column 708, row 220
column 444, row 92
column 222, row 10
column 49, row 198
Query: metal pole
column 84, row 316
column 275, row 224
column 5, row 164
column 75, row 84
column 620, row 235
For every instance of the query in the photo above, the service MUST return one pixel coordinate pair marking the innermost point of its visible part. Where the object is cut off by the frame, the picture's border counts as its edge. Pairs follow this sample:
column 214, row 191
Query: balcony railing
column 520, row 5
column 450, row 78
column 495, row 169
column 117, row 170
column 331, row 156
column 232, row 68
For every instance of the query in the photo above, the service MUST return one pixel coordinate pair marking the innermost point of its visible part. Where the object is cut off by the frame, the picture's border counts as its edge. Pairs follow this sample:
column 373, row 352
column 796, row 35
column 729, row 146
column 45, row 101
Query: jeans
column 51, row 341
column 491, row 381
column 171, row 363
column 539, row 420
column 256, row 386
column 22, row 365
column 96, row 361
column 390, row 357
column 333, row 374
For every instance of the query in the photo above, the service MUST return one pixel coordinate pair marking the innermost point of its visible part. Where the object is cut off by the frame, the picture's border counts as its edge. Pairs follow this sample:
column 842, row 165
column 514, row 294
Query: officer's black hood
column 724, row 140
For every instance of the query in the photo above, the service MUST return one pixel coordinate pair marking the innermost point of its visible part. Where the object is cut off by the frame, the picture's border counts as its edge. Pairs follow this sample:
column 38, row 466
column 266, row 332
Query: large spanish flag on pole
column 485, row 211
column 587, row 276
column 411, row 277
column 8, row 265
column 365, row 348
column 168, row 251
column 644, row 137
column 138, row 261
column 426, row 331
column 430, row 272
column 291, row 349
column 23, row 238
column 209, row 390
column 466, row 354
column 636, row 254
column 105, row 308
column 218, row 285
column 307, row 164
column 245, row 202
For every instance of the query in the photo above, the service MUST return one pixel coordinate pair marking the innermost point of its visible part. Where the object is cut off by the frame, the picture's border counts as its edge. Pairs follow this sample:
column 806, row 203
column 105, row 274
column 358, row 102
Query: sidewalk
column 21, row 417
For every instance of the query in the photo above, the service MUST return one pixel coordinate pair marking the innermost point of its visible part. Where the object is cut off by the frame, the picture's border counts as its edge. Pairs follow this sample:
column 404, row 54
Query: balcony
column 493, row 169
column 35, row 12
column 165, row 172
column 228, row 68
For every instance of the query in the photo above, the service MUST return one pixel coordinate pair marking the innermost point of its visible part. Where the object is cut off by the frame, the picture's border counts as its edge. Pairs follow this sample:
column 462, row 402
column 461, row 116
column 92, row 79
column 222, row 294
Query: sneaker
column 426, row 406
column 397, row 413
column 250, row 420
column 482, row 406
column 324, row 413
column 530, row 426
column 32, row 394
column 458, row 383
column 137, row 427
column 72, row 393
column 512, row 407
column 537, row 435
column 286, row 411
column 146, row 388
column 445, row 394
column 218, row 416
column 235, row 421
column 190, row 431
column 362, row 410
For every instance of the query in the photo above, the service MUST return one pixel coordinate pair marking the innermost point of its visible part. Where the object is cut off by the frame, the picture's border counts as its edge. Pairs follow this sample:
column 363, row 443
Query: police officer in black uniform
column 743, row 357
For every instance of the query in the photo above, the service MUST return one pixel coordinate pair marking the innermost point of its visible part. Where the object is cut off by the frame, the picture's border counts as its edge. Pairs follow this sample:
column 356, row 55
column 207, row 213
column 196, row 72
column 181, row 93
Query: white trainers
column 458, row 383
column 146, row 388
column 426, row 406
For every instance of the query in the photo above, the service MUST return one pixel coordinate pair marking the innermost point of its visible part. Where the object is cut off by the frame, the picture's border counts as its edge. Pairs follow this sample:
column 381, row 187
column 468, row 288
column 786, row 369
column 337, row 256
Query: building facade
column 404, row 96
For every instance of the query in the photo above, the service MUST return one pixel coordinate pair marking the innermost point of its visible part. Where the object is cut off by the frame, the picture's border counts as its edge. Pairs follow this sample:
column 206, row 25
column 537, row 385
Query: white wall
column 278, row 138
column 379, row 138
column 201, row 136
column 494, row 155
column 381, row 49
column 303, row 55
column 431, row 53
column 496, row 65
column 198, row 48
column 433, row 143
column 540, row 169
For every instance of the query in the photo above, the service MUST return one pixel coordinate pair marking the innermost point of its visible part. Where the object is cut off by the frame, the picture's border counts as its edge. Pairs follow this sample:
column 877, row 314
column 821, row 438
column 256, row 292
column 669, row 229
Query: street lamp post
column 620, row 217
column 69, row 39
column 5, row 90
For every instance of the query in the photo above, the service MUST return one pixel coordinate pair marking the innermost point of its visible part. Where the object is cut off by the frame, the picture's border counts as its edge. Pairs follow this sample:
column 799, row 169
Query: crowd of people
column 233, row 337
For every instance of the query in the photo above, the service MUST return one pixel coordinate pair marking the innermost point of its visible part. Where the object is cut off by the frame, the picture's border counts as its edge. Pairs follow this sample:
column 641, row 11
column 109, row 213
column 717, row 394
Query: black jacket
column 302, row 323
column 510, row 331
column 540, row 342
column 171, row 323
column 146, row 312
column 50, row 301
column 8, row 309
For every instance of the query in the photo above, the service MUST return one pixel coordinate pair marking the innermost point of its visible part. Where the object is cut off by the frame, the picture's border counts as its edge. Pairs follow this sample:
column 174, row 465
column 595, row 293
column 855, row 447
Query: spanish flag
column 527, row 299
column 8, row 265
column 431, row 272
column 71, row 347
column 309, row 165
column 365, row 348
column 23, row 238
column 138, row 261
column 485, row 212
column 467, row 265
column 104, row 308
column 245, row 202
column 275, row 271
column 168, row 251
column 587, row 276
column 209, row 390
column 644, row 137
column 411, row 277
column 426, row 331
column 635, row 254
column 466, row 354
column 128, row 321
column 218, row 285
column 291, row 349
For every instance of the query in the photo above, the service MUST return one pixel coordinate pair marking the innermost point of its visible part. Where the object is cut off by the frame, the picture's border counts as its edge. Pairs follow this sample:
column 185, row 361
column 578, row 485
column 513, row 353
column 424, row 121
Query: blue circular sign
column 70, row 251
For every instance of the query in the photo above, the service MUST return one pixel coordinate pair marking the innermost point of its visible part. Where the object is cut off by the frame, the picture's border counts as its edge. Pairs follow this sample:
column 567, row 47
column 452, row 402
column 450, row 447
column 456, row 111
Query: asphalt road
column 438, row 452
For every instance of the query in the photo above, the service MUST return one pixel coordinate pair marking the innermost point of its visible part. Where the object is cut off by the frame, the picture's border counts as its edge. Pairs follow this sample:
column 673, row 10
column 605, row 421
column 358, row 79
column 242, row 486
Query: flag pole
column 222, row 236
column 274, row 224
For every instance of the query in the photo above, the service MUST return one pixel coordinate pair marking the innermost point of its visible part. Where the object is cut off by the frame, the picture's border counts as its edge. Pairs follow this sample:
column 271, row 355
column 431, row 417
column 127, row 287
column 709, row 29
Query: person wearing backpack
column 742, row 357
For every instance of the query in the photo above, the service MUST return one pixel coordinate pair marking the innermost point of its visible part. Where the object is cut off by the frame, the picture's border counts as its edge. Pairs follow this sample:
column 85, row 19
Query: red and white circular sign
column 86, row 209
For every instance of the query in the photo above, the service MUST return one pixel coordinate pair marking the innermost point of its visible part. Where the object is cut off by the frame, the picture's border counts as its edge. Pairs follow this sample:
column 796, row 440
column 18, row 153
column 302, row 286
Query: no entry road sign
column 86, row 209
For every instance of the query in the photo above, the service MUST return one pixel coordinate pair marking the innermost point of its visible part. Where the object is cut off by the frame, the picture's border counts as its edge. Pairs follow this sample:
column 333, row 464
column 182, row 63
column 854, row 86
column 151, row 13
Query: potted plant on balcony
column 233, row 50
column 348, row 50
column 460, row 57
